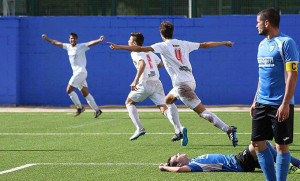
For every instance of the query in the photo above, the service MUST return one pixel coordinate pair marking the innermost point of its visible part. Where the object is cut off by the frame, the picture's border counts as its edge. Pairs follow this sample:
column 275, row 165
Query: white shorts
column 185, row 91
column 149, row 88
column 78, row 80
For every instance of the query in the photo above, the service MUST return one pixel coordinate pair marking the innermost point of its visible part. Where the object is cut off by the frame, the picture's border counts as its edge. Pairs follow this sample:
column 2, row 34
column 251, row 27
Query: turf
column 106, row 140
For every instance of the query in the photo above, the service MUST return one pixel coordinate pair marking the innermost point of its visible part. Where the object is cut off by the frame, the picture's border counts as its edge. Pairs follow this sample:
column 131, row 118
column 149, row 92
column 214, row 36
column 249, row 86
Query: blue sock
column 282, row 165
column 266, row 162
column 295, row 161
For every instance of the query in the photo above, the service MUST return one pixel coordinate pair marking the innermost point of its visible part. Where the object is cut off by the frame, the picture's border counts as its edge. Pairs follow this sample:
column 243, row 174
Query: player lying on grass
column 77, row 59
column 146, row 84
column 245, row 161
column 175, row 56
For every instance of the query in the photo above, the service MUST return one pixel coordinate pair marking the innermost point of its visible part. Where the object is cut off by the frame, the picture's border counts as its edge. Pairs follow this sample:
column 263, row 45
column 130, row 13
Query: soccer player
column 146, row 84
column 245, row 161
column 175, row 56
column 272, row 110
column 77, row 59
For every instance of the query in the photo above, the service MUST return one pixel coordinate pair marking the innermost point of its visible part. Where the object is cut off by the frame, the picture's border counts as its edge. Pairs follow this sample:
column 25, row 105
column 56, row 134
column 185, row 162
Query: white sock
column 91, row 101
column 174, row 117
column 217, row 122
column 134, row 115
column 75, row 99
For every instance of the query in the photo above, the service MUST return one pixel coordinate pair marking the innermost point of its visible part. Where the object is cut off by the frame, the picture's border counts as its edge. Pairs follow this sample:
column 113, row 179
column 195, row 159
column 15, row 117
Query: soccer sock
column 266, row 162
column 175, row 117
column 134, row 115
column 168, row 114
column 217, row 122
column 91, row 101
column 75, row 99
column 282, row 165
column 273, row 151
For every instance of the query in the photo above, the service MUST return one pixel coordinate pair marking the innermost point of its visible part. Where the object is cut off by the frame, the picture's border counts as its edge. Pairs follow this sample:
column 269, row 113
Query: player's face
column 131, row 41
column 261, row 27
column 73, row 40
column 180, row 158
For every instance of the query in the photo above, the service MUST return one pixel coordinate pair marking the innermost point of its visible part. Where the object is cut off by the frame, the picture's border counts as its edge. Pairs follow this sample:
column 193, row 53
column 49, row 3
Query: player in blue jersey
column 245, row 161
column 272, row 110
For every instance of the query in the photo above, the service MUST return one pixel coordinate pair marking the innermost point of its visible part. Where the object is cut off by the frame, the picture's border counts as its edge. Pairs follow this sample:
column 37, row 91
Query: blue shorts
column 214, row 163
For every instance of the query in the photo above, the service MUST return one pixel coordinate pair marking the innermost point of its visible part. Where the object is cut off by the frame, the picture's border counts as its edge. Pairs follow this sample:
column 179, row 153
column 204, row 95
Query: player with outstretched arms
column 175, row 56
column 77, row 59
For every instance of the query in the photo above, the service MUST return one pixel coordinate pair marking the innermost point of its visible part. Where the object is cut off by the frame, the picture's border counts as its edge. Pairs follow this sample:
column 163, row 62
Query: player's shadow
column 39, row 150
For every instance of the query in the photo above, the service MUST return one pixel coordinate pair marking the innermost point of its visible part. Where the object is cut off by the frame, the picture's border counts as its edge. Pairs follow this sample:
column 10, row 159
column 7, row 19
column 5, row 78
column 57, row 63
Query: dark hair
column 271, row 15
column 171, row 164
column 74, row 35
column 138, row 38
column 166, row 29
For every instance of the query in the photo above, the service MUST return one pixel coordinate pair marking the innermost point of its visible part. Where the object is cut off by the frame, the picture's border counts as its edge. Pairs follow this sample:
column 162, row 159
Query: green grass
column 18, row 150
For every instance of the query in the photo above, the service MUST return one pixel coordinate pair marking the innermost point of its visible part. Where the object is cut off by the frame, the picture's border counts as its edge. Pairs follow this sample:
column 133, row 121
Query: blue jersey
column 214, row 163
column 272, row 57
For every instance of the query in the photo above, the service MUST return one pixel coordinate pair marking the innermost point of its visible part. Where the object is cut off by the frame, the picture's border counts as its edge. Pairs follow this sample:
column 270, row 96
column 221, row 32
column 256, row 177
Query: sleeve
column 194, row 167
column 290, row 51
column 65, row 46
column 136, row 57
column 157, row 59
column 85, row 46
column 192, row 46
column 158, row 47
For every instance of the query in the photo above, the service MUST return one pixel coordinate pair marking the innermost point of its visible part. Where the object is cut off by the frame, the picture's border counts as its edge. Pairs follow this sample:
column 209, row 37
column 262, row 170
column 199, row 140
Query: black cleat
column 97, row 113
column 79, row 111
column 232, row 135
column 177, row 137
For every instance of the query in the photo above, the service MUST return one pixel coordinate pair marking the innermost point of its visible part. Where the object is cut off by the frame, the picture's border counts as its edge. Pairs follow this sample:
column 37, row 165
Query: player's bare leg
column 91, row 101
column 134, row 116
column 75, row 100
column 212, row 118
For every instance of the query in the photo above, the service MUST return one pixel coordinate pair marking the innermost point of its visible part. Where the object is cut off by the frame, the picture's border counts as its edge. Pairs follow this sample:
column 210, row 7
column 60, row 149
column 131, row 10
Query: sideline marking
column 60, row 134
column 34, row 164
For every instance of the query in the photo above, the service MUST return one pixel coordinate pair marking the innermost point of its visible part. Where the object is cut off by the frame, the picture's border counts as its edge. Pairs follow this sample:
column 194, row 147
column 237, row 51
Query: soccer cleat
column 294, row 169
column 97, row 113
column 79, row 111
column 232, row 135
column 137, row 134
column 177, row 137
column 185, row 139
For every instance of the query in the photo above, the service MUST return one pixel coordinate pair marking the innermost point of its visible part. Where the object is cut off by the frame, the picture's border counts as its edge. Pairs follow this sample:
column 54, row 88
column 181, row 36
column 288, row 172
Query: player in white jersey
column 175, row 55
column 147, row 84
column 77, row 59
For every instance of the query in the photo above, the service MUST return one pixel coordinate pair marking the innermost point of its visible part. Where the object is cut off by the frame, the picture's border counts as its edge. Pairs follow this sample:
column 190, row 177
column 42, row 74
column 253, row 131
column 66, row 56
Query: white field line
column 34, row 164
column 61, row 134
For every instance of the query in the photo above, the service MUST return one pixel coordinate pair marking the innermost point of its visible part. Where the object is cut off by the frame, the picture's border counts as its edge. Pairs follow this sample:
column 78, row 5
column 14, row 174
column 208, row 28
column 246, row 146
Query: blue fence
column 34, row 72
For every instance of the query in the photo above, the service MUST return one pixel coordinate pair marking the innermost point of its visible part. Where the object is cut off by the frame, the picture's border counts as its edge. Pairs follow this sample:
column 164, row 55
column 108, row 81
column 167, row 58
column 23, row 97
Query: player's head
column 73, row 39
column 166, row 30
column 178, row 160
column 136, row 38
column 267, row 19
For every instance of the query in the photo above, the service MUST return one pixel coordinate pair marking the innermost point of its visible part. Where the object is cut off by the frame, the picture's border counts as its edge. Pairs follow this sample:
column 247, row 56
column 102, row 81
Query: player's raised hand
column 229, row 44
column 44, row 36
column 102, row 38
column 113, row 46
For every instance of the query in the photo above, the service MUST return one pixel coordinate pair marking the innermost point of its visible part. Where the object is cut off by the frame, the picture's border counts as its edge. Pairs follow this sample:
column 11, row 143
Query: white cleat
column 137, row 134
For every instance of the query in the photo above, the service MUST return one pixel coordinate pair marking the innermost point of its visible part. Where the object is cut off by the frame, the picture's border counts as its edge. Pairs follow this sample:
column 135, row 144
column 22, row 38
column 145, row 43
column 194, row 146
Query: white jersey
column 151, row 60
column 77, row 56
column 175, row 55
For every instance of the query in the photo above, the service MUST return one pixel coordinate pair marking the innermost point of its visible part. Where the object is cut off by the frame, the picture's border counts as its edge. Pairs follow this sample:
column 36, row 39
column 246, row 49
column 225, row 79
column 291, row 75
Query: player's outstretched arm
column 95, row 42
column 130, row 48
column 54, row 42
column 164, row 167
column 215, row 44
column 139, row 73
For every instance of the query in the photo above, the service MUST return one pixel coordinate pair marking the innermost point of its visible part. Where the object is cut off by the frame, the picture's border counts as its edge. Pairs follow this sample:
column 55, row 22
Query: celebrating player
column 272, row 110
column 175, row 55
column 147, row 84
column 245, row 161
column 77, row 59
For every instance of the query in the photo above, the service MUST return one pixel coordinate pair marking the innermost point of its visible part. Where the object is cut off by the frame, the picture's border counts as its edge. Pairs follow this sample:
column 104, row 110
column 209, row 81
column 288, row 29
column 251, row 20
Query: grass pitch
column 83, row 148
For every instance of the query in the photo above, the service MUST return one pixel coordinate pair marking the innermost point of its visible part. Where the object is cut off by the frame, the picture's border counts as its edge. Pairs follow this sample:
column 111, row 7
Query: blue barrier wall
column 34, row 72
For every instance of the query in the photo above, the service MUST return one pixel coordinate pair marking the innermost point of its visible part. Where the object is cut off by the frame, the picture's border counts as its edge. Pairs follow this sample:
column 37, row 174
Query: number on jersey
column 149, row 61
column 178, row 55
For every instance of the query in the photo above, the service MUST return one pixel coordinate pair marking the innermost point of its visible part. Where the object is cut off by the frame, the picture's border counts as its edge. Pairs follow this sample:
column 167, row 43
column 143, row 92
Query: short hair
column 138, row 38
column 271, row 15
column 74, row 35
column 171, row 164
column 166, row 28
